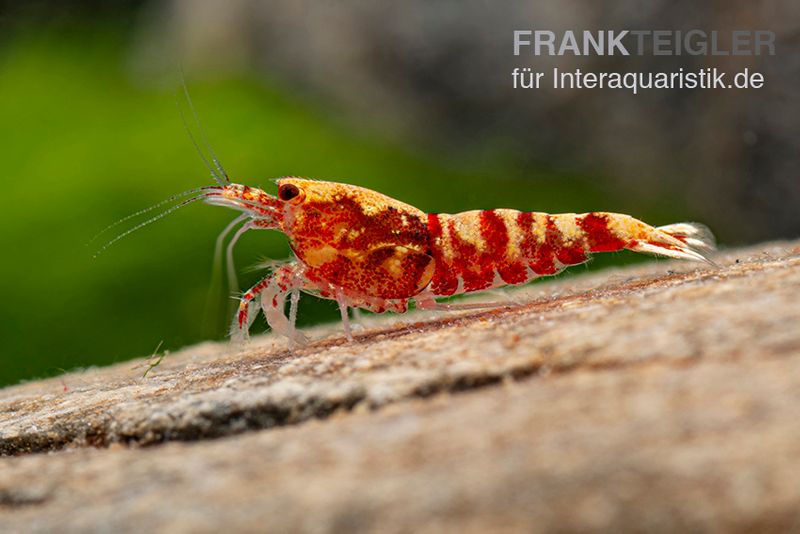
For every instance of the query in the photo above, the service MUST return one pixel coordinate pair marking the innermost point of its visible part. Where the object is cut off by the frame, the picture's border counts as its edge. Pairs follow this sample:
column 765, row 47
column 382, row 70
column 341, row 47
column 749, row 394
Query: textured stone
column 660, row 397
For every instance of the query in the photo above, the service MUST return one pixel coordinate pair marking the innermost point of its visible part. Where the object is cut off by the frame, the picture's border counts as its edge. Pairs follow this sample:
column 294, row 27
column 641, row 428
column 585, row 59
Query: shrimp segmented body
column 367, row 250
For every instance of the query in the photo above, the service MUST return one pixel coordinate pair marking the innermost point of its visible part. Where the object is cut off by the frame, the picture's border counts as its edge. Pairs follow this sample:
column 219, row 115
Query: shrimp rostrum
column 366, row 250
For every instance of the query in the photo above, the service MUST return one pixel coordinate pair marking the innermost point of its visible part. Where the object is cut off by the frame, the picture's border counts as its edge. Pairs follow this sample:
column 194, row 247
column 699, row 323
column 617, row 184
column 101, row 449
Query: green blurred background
column 90, row 132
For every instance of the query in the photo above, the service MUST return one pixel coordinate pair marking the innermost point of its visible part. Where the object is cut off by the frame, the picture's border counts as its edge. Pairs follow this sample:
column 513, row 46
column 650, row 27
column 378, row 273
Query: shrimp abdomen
column 481, row 249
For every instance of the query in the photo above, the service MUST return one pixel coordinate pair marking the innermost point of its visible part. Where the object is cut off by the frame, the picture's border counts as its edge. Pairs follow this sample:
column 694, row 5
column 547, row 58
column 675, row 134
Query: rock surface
column 658, row 397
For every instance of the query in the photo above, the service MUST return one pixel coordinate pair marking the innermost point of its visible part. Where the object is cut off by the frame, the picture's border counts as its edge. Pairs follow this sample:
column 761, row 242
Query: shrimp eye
column 288, row 191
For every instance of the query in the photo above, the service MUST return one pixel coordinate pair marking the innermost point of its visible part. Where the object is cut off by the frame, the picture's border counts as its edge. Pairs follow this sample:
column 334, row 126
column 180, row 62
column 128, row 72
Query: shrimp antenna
column 148, row 221
column 214, row 173
column 145, row 210
column 220, row 175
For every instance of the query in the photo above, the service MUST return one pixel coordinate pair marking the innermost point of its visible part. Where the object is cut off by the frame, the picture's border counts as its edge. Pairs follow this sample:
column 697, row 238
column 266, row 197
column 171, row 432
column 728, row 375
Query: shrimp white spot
column 468, row 228
column 568, row 226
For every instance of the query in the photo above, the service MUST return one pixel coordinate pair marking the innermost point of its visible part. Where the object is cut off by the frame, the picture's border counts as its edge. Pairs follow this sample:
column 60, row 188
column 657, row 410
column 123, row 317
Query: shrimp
column 366, row 250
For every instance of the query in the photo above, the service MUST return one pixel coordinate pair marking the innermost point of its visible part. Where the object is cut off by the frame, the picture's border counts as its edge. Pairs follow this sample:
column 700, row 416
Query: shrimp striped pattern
column 478, row 250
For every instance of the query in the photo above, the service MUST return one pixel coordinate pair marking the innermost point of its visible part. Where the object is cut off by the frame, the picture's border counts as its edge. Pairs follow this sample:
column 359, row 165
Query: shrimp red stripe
column 599, row 235
column 495, row 229
column 444, row 280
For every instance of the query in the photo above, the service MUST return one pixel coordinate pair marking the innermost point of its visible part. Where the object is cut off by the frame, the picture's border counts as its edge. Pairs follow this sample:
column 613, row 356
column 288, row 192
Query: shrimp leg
column 269, row 296
column 428, row 302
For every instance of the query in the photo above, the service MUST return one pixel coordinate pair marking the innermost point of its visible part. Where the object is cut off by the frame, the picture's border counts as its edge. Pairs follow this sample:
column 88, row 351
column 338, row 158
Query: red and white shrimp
column 367, row 250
